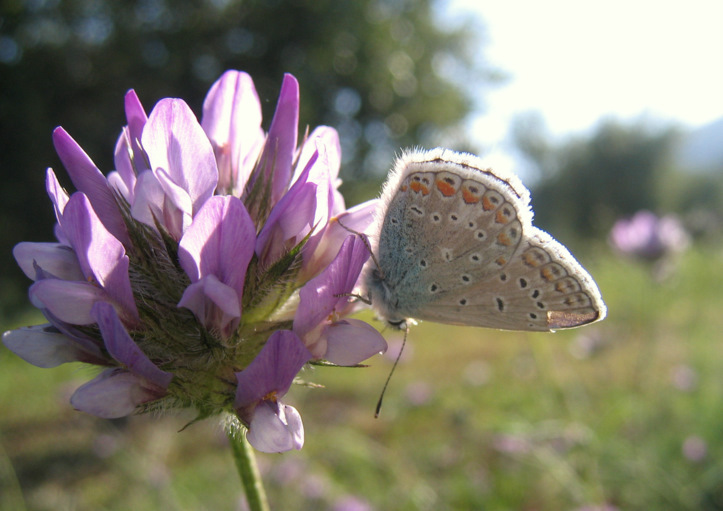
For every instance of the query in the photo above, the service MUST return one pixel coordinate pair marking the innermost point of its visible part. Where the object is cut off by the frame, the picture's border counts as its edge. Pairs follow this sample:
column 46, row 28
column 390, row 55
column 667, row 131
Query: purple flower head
column 206, row 269
column 649, row 237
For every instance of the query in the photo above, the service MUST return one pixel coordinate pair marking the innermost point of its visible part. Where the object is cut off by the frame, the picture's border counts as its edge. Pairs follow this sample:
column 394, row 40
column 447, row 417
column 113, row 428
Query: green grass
column 473, row 419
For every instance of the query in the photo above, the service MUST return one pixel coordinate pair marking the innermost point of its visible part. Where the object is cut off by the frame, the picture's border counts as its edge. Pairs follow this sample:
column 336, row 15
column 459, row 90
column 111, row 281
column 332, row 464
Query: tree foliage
column 588, row 182
column 383, row 72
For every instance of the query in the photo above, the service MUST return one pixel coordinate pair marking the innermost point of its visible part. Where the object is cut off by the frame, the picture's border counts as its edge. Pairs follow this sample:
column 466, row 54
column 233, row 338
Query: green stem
column 243, row 455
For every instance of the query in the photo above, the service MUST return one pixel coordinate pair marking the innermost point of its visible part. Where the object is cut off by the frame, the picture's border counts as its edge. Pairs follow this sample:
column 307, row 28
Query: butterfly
column 455, row 244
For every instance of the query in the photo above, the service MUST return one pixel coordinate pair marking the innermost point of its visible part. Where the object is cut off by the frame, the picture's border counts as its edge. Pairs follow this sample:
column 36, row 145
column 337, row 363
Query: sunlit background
column 605, row 109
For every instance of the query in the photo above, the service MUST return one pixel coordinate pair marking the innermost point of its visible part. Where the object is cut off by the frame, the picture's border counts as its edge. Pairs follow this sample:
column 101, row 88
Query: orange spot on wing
column 446, row 188
column 468, row 197
column 547, row 274
column 419, row 187
column 487, row 204
column 565, row 286
column 530, row 260
column 500, row 217
column 501, row 261
column 503, row 239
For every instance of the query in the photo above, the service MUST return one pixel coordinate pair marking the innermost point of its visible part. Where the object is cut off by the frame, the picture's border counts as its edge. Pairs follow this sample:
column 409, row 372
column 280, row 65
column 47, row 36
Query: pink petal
column 101, row 256
column 352, row 341
column 276, row 428
column 273, row 370
column 70, row 302
column 137, row 118
column 232, row 121
column 219, row 242
column 57, row 194
column 328, row 291
column 112, row 394
column 280, row 144
column 175, row 142
column 124, row 349
column 54, row 258
column 215, row 305
column 88, row 179
column 41, row 346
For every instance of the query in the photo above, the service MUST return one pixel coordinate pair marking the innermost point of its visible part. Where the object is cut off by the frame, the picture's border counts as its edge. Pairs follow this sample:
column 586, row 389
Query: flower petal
column 352, row 341
column 281, row 141
column 276, row 427
column 136, row 118
column 329, row 290
column 273, row 369
column 219, row 242
column 322, row 137
column 175, row 142
column 88, row 179
column 289, row 221
column 215, row 305
column 149, row 198
column 124, row 349
column 177, row 204
column 101, row 256
column 232, row 121
column 354, row 220
column 123, row 179
column 55, row 259
column 58, row 196
column 42, row 346
column 112, row 394
column 69, row 301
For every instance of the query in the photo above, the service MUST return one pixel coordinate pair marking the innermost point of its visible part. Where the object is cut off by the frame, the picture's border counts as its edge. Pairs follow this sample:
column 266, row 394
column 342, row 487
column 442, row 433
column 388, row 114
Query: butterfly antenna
column 386, row 383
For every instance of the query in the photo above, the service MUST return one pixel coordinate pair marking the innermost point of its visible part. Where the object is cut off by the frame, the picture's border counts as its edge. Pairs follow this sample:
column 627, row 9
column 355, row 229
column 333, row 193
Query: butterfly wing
column 542, row 288
column 457, row 245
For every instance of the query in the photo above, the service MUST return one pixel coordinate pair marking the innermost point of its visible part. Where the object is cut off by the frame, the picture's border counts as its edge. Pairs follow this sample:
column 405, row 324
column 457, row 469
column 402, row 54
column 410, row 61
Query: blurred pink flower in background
column 649, row 237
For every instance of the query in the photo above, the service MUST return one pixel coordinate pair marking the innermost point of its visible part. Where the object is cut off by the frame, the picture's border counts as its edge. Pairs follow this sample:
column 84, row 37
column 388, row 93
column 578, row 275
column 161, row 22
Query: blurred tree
column 586, row 183
column 383, row 72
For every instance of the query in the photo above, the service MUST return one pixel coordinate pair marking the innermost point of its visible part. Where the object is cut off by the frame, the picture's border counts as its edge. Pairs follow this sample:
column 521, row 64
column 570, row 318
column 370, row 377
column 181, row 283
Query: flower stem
column 243, row 455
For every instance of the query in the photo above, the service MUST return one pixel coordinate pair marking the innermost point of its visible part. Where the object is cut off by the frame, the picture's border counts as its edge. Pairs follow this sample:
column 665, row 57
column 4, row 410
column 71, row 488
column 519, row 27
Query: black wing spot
column 500, row 304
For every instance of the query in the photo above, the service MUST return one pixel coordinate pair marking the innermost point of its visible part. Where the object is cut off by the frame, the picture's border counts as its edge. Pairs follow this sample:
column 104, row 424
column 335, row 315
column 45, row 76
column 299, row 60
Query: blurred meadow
column 625, row 413
column 622, row 415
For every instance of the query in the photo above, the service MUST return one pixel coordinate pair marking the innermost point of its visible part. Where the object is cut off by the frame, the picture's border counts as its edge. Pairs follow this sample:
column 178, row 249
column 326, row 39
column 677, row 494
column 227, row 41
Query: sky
column 577, row 62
